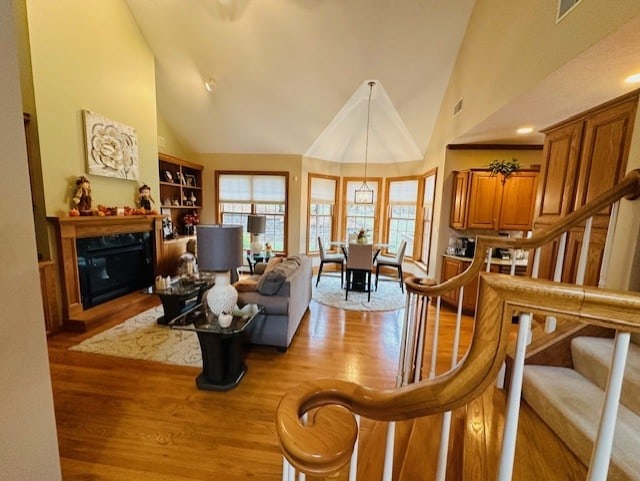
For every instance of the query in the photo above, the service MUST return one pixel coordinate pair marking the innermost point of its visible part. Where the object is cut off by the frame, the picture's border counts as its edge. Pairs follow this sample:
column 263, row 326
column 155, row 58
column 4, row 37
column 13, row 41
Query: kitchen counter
column 494, row 260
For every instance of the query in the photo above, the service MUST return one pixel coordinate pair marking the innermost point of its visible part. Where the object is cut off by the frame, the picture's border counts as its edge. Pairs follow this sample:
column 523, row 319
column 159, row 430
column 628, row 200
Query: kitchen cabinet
column 485, row 201
column 180, row 188
column 452, row 266
column 583, row 157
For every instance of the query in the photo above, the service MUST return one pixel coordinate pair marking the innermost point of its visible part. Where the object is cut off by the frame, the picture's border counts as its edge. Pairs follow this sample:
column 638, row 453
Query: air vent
column 457, row 107
column 565, row 6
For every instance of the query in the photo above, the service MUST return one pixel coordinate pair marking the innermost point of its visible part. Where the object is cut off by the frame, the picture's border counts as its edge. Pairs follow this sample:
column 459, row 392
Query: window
column 428, row 198
column 360, row 216
column 401, row 221
column 322, row 200
column 240, row 194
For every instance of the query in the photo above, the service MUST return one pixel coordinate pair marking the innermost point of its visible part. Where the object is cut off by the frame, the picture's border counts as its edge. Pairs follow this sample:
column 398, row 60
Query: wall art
column 112, row 147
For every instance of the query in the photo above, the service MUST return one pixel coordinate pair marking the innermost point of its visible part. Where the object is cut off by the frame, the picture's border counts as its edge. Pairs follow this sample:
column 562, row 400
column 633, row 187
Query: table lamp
column 220, row 251
column 256, row 225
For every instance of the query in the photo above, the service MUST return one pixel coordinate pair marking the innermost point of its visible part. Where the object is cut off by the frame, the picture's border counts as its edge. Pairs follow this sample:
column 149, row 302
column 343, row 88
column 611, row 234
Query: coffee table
column 223, row 364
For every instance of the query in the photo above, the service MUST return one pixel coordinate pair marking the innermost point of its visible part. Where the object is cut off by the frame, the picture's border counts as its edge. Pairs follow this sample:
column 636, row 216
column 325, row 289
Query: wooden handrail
column 629, row 187
column 325, row 442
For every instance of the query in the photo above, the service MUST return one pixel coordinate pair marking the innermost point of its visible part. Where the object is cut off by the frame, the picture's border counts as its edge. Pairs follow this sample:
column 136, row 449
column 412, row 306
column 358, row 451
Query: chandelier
column 364, row 193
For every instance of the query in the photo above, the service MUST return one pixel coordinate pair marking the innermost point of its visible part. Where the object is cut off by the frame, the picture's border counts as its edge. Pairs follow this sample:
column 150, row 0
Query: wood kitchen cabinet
column 483, row 201
column 451, row 267
column 583, row 157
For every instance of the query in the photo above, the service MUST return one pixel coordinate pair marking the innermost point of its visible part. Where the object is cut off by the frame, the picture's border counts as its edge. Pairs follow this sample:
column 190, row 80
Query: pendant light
column 364, row 193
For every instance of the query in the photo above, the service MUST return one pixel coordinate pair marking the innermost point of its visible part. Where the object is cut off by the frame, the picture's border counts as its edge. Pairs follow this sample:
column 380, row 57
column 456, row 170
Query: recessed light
column 210, row 84
column 632, row 79
column 525, row 130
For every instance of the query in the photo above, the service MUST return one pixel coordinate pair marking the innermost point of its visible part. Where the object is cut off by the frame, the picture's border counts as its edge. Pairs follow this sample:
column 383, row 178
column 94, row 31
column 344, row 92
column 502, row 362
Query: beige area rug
column 389, row 297
column 142, row 338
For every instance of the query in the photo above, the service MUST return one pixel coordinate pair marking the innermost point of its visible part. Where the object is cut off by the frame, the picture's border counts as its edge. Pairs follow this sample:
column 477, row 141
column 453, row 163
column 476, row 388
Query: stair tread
column 592, row 359
column 570, row 404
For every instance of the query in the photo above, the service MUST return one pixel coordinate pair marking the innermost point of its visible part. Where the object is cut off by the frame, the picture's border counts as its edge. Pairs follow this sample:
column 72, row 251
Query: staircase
column 570, row 400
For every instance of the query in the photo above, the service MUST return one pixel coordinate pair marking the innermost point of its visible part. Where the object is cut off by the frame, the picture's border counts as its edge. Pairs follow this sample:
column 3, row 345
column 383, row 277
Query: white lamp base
column 222, row 297
column 256, row 245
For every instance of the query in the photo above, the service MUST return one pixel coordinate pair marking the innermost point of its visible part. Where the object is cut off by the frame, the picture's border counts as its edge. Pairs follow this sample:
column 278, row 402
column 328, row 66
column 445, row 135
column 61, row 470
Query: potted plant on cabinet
column 504, row 167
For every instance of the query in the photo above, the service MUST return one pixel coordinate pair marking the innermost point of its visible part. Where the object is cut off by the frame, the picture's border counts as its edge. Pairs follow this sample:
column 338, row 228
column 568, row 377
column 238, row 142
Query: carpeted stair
column 570, row 402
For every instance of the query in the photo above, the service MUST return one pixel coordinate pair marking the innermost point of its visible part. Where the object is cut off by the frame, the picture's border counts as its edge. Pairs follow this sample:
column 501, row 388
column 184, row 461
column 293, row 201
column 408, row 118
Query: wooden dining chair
column 394, row 262
column 359, row 264
column 326, row 258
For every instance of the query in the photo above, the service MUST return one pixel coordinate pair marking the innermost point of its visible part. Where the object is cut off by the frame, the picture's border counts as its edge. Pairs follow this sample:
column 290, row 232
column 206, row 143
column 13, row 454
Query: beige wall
column 172, row 146
column 28, row 444
column 508, row 48
column 89, row 54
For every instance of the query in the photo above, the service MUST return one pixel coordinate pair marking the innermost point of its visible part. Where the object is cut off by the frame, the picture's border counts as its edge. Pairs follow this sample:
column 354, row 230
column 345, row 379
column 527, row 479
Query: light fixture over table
column 364, row 193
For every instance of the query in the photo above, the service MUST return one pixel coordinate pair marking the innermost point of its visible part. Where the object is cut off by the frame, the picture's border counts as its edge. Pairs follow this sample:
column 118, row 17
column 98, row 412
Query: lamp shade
column 256, row 224
column 219, row 247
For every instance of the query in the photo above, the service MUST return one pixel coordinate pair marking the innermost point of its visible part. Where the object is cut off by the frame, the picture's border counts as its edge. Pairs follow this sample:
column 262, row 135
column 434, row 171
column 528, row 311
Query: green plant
column 504, row 167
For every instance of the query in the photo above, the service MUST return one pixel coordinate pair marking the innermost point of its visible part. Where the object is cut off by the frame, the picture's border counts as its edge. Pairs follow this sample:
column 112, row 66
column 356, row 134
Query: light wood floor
column 121, row 419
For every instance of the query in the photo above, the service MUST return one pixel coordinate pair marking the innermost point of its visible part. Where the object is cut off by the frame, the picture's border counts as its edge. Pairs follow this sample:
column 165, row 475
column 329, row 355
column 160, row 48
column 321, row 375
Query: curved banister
column 629, row 187
column 325, row 442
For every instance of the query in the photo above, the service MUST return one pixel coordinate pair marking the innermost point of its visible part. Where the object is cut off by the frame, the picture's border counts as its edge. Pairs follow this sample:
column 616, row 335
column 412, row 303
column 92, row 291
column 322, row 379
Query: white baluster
column 608, row 244
column 285, row 469
column 584, row 252
column 599, row 465
column 409, row 355
column 422, row 327
column 403, row 340
column 353, row 467
column 456, row 334
column 505, row 470
column 441, row 470
column 550, row 323
column 434, row 343
column 387, row 470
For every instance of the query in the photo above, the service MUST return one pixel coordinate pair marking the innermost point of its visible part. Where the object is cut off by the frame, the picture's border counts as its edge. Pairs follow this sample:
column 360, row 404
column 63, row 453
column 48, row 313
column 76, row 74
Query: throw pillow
column 270, row 282
column 247, row 284
column 273, row 261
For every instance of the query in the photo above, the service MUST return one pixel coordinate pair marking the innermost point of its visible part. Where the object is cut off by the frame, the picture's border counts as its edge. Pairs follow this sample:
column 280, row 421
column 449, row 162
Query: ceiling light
column 525, row 130
column 632, row 79
column 364, row 194
column 210, row 84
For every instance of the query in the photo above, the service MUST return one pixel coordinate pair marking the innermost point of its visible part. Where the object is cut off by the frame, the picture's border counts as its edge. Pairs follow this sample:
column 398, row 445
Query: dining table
column 359, row 277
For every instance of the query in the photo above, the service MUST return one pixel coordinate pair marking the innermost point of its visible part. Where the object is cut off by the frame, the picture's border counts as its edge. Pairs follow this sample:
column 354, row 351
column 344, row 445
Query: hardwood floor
column 121, row 419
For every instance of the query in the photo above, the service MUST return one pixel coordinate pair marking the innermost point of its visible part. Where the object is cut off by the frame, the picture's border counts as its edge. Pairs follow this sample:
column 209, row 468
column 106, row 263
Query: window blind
column 403, row 192
column 323, row 191
column 255, row 189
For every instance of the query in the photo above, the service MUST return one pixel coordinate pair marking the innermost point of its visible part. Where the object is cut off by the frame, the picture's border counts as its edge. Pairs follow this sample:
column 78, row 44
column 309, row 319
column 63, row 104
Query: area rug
column 389, row 297
column 140, row 337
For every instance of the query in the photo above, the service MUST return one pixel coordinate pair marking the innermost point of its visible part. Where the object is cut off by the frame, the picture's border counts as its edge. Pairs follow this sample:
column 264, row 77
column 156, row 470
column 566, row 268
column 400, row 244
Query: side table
column 174, row 298
column 223, row 364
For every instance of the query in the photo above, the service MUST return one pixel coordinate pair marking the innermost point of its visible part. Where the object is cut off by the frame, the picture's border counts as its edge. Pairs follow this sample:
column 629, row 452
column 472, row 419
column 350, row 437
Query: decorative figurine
column 82, row 197
column 144, row 197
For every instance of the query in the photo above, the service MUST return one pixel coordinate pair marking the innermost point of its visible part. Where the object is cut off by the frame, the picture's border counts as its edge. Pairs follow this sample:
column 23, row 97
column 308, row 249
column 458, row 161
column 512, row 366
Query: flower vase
column 222, row 297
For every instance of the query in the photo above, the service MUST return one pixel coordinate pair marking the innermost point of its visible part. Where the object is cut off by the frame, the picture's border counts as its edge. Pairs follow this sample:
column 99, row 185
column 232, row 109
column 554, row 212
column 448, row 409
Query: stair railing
column 312, row 448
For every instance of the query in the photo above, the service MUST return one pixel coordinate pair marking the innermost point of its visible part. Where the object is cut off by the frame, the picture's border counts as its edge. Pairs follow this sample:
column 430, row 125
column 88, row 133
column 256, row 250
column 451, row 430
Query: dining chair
column 394, row 262
column 326, row 258
column 359, row 266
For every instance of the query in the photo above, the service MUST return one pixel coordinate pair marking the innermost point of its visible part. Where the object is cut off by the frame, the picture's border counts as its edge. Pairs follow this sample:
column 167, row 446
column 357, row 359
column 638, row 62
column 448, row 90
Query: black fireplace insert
column 111, row 266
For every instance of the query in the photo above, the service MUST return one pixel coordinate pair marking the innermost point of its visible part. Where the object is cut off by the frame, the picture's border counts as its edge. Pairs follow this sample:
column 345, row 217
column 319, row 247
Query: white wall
column 28, row 443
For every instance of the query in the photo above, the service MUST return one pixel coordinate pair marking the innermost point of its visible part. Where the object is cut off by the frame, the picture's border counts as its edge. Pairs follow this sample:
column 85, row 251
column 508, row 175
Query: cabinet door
column 459, row 200
column 559, row 171
column 450, row 268
column 470, row 294
column 595, row 255
column 485, row 194
column 518, row 201
column 607, row 137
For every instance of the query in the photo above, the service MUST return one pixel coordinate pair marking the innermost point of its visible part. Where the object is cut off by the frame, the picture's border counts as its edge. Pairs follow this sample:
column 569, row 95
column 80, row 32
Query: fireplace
column 110, row 266
column 111, row 256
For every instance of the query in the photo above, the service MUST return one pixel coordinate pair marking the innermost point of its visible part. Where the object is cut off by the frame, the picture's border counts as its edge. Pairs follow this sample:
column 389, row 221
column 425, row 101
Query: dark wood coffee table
column 181, row 296
column 223, row 364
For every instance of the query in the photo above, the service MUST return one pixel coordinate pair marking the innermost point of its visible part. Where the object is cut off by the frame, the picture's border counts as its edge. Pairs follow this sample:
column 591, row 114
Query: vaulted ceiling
column 291, row 75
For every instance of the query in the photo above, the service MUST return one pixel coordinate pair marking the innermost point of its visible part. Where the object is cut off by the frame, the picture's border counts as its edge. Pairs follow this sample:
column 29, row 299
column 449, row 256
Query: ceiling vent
column 565, row 6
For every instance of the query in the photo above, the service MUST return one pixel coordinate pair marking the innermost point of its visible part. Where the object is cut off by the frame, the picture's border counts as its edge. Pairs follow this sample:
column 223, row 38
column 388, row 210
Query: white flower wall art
column 112, row 147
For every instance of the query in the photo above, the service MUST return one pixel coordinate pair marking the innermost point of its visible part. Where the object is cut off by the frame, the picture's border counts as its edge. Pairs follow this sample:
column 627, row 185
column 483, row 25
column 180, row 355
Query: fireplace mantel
column 68, row 229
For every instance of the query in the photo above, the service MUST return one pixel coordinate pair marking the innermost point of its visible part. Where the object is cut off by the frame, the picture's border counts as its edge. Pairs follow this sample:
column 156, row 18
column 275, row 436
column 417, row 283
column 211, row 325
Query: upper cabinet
column 585, row 156
column 484, row 201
